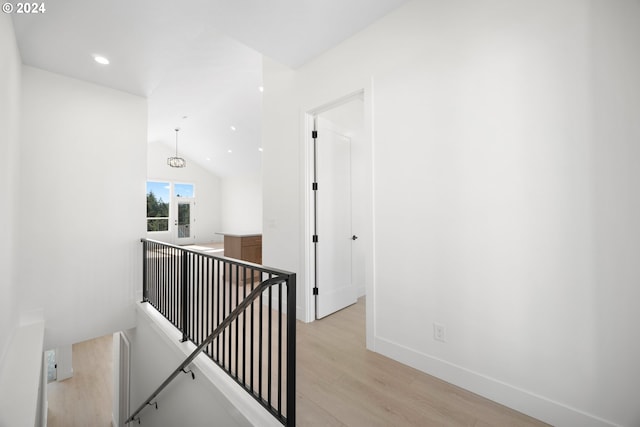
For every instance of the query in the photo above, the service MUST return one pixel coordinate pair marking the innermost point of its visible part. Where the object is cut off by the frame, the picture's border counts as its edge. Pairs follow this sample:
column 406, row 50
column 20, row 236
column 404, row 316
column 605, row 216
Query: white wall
column 505, row 195
column 81, row 204
column 9, row 131
column 21, row 402
column 156, row 351
column 241, row 204
column 207, row 190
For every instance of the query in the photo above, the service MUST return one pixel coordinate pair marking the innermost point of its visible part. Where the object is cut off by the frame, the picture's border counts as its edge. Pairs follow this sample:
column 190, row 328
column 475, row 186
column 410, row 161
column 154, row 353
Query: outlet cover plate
column 439, row 332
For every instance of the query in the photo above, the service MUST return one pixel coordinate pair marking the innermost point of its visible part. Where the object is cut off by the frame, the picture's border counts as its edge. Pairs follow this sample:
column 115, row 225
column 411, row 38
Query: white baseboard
column 520, row 400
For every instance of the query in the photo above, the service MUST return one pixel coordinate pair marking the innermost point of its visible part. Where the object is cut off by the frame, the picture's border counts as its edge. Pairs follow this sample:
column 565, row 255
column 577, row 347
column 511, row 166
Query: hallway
column 339, row 383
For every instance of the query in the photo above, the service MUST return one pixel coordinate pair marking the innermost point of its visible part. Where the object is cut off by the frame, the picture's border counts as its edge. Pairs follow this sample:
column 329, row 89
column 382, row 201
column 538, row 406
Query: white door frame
column 122, row 377
column 307, row 180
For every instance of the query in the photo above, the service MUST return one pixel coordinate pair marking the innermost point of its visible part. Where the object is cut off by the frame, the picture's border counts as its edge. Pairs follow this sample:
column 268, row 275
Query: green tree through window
column 157, row 209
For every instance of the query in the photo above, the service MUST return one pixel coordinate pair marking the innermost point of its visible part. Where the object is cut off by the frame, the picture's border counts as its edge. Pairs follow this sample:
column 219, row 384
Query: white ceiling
column 196, row 58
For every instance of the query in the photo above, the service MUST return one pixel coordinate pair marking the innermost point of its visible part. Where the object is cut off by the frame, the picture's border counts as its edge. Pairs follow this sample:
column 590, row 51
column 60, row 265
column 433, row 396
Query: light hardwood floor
column 85, row 399
column 339, row 383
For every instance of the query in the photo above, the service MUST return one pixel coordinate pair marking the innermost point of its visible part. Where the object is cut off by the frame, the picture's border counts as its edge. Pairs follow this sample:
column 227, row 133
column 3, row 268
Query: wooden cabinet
column 247, row 247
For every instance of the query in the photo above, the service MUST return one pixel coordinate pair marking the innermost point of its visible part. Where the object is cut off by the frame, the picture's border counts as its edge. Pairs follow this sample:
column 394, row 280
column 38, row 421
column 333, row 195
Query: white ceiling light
column 233, row 128
column 176, row 162
column 229, row 151
column 260, row 149
column 261, row 88
column 101, row 60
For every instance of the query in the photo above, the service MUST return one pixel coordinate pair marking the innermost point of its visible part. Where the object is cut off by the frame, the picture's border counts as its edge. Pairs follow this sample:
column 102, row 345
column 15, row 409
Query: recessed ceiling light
column 261, row 88
column 259, row 148
column 229, row 151
column 233, row 128
column 208, row 159
column 101, row 60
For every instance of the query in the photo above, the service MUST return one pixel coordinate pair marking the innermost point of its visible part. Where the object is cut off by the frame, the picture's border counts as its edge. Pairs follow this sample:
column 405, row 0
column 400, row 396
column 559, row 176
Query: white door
column 335, row 289
column 184, row 221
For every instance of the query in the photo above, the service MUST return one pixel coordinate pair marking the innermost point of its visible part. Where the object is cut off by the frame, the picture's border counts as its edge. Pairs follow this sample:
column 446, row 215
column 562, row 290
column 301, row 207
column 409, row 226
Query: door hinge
column 315, row 238
column 314, row 186
column 314, row 134
column 315, row 291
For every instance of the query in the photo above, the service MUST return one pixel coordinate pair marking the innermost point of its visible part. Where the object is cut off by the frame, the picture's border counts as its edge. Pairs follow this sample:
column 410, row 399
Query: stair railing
column 180, row 284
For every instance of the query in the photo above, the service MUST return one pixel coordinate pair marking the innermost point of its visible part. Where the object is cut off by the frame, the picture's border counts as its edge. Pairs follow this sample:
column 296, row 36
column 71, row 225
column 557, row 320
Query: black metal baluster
column 198, row 298
column 219, row 311
column 185, row 301
column 156, row 269
column 206, row 302
column 172, row 280
column 176, row 287
column 244, row 330
column 224, row 312
column 236, row 321
column 279, row 376
column 269, row 348
column 145, row 292
column 291, row 350
column 260, row 346
column 251, row 341
column 175, row 265
column 193, row 308
column 163, row 277
column 230, row 328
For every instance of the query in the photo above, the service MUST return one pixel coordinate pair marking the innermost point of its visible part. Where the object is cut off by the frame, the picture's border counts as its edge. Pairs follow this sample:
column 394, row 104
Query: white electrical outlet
column 439, row 332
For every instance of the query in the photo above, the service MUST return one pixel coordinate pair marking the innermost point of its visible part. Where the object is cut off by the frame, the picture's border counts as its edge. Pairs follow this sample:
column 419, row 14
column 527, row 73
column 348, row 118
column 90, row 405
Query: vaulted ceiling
column 199, row 62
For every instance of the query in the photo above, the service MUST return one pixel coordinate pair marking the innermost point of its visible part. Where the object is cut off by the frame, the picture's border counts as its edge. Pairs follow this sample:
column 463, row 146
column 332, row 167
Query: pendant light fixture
column 176, row 162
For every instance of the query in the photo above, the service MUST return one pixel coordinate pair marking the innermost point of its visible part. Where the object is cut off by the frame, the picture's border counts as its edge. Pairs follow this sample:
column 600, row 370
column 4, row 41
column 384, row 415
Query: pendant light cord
column 177, row 129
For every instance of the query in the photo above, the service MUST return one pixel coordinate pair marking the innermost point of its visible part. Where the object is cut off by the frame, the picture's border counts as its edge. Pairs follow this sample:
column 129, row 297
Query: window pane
column 184, row 219
column 157, row 199
column 184, row 190
column 158, row 224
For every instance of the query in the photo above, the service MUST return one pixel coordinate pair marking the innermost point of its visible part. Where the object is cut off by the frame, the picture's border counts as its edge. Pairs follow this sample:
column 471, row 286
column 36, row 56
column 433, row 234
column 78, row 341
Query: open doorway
column 52, row 366
column 340, row 220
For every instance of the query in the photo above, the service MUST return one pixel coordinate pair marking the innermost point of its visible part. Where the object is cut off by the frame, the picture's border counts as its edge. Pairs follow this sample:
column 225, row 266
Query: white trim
column 370, row 258
column 539, row 407
column 124, row 379
column 307, row 153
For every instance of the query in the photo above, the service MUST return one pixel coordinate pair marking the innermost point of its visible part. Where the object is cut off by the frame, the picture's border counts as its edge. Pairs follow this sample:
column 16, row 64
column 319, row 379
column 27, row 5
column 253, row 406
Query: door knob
column 354, row 237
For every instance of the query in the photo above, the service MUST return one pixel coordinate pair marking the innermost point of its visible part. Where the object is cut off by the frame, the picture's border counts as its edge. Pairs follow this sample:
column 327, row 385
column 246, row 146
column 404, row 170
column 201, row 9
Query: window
column 183, row 190
column 158, row 206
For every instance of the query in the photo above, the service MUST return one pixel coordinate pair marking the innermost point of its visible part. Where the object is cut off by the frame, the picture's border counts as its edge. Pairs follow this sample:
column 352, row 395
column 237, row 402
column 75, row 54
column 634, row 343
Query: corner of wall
column 10, row 87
